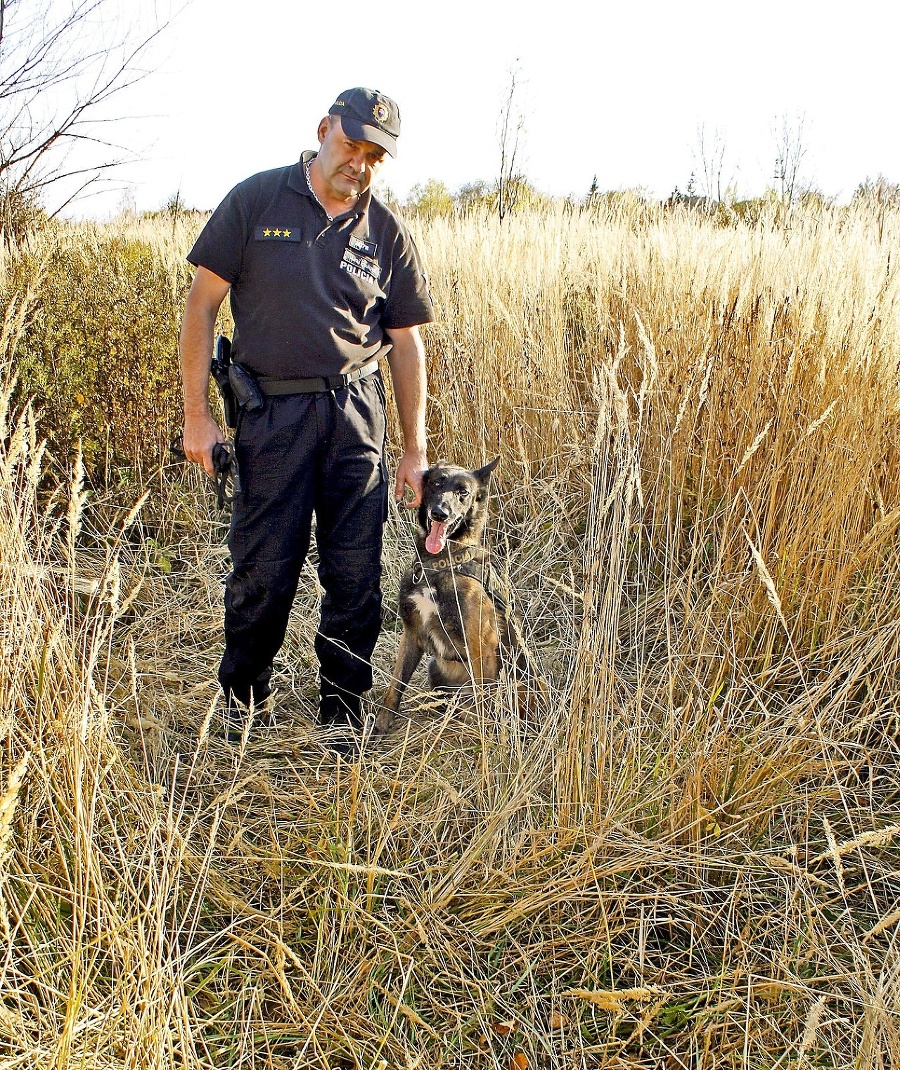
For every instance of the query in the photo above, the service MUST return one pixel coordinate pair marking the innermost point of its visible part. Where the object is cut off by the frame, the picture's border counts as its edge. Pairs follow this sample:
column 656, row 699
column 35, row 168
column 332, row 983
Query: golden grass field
column 692, row 861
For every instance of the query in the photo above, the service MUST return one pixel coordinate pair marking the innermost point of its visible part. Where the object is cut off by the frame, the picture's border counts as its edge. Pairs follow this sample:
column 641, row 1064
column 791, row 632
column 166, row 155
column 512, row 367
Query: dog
column 450, row 604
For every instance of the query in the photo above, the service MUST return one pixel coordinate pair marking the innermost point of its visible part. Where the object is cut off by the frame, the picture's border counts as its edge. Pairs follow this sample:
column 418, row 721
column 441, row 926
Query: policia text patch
column 364, row 267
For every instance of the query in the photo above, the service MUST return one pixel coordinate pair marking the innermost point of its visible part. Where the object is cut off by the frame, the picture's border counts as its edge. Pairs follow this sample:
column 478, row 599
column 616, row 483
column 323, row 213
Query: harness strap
column 485, row 577
column 475, row 566
column 501, row 608
column 451, row 562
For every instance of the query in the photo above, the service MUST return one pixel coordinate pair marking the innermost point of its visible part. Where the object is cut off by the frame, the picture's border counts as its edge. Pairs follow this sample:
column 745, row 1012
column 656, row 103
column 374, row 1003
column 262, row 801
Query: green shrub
column 99, row 346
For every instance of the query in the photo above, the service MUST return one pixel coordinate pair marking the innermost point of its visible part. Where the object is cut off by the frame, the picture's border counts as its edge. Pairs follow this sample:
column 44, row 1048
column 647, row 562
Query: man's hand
column 407, row 363
column 201, row 433
column 409, row 474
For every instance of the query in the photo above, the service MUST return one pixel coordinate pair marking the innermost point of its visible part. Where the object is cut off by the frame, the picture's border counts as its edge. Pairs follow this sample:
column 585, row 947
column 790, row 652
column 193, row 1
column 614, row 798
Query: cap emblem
column 381, row 112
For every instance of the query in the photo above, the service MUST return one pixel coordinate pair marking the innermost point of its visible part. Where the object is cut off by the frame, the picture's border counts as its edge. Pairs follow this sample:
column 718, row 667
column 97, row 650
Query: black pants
column 304, row 454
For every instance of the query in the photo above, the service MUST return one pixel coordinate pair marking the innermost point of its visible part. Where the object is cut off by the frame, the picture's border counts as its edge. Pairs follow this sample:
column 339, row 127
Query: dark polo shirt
column 311, row 297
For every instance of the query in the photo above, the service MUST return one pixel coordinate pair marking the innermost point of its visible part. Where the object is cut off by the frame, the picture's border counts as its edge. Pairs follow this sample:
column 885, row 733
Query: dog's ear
column 484, row 474
column 429, row 472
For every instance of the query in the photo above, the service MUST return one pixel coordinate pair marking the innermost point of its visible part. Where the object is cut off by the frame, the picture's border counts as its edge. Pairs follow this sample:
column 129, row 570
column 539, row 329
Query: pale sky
column 616, row 90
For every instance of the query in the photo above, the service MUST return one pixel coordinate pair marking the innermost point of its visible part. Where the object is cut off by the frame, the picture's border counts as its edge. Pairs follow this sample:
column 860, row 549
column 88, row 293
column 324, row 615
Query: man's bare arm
column 407, row 363
column 201, row 432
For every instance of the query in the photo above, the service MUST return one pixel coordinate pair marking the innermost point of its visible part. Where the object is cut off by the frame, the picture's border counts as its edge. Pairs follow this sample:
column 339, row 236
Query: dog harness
column 471, row 562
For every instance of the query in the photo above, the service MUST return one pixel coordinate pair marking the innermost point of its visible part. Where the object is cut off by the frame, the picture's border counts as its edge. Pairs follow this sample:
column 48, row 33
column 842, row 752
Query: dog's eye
column 464, row 492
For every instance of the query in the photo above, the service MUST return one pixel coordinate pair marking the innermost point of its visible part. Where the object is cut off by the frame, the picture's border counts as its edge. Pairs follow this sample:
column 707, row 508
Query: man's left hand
column 409, row 474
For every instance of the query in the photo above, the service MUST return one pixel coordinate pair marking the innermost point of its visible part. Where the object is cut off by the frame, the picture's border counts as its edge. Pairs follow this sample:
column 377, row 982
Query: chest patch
column 363, row 267
column 363, row 245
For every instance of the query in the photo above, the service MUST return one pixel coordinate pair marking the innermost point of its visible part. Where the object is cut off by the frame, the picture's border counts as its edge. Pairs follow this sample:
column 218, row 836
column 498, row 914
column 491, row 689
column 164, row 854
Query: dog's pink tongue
column 436, row 538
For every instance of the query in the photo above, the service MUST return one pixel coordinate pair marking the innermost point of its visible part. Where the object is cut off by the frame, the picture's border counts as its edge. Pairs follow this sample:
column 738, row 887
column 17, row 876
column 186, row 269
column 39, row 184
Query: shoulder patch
column 278, row 232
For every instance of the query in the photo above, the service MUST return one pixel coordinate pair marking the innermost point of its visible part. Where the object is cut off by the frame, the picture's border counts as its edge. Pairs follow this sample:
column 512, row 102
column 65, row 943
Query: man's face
column 347, row 166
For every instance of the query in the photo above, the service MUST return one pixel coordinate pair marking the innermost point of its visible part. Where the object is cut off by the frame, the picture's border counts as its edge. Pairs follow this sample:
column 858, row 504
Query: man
column 323, row 282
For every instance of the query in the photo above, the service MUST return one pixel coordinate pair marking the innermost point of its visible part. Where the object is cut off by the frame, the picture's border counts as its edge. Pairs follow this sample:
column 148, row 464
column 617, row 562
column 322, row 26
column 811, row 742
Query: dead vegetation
column 691, row 861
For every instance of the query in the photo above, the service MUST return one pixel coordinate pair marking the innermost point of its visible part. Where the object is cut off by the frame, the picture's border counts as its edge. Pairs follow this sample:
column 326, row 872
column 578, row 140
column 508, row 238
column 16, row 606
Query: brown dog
column 449, row 602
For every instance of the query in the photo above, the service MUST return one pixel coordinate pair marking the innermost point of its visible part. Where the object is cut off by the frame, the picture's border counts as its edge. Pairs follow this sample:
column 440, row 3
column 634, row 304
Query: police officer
column 324, row 281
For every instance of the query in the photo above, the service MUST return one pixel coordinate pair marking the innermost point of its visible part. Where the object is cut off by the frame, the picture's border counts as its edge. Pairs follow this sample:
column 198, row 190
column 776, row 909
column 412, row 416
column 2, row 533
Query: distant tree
column 172, row 209
column 521, row 194
column 386, row 195
column 474, row 195
column 61, row 62
column 511, row 138
column 709, row 156
column 690, row 198
column 593, row 192
column 790, row 149
column 128, row 203
column 632, row 204
column 175, row 205
column 431, row 199
column 878, row 191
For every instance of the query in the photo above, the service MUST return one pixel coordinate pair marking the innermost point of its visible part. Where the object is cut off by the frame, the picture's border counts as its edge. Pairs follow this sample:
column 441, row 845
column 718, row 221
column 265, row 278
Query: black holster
column 244, row 388
column 219, row 369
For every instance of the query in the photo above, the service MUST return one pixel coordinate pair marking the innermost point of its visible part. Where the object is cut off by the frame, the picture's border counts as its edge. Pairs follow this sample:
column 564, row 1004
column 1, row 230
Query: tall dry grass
column 690, row 860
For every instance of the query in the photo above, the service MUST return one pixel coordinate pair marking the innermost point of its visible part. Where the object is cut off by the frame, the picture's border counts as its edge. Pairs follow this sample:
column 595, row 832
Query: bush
column 99, row 342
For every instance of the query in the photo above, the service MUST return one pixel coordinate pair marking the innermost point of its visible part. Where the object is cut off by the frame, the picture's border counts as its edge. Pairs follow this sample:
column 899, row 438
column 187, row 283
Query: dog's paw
column 384, row 719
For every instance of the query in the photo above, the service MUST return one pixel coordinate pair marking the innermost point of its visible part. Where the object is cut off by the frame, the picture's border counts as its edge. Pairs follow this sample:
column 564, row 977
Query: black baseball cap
column 367, row 115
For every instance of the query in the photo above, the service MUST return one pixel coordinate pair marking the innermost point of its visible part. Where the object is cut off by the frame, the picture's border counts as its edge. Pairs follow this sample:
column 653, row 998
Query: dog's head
column 454, row 504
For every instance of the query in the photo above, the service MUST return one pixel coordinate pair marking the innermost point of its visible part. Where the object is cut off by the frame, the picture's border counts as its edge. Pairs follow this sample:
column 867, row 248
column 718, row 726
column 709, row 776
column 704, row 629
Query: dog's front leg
column 482, row 643
column 409, row 654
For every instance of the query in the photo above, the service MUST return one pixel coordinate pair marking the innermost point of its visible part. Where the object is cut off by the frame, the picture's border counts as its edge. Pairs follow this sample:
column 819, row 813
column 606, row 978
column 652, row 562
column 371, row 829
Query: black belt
column 319, row 384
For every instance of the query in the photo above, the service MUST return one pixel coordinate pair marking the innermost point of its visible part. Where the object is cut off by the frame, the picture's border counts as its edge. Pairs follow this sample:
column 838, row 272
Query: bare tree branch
column 790, row 148
column 710, row 156
column 510, row 134
column 61, row 63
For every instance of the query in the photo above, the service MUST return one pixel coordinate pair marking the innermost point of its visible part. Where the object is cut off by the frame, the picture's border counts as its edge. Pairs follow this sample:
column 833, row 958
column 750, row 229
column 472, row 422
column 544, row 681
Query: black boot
column 237, row 707
column 341, row 713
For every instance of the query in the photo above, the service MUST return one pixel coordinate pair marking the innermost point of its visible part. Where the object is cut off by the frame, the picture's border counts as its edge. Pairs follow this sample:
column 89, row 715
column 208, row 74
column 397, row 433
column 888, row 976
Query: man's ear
column 484, row 474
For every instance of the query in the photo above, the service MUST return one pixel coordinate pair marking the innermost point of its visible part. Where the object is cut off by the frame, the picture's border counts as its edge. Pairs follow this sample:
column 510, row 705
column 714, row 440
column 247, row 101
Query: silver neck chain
column 313, row 192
